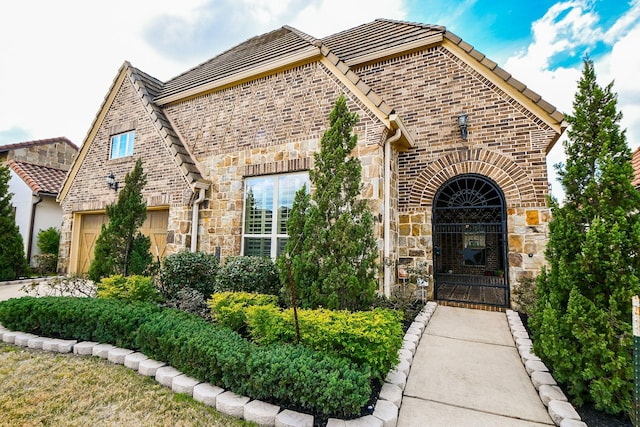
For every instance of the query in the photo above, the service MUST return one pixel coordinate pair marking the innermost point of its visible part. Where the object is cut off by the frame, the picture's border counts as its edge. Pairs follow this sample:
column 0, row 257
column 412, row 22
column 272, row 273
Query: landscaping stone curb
column 385, row 413
column 562, row 413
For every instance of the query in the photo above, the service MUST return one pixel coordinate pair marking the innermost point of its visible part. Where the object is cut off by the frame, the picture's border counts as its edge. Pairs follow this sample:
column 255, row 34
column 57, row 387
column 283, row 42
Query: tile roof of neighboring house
column 367, row 42
column 41, row 179
column 636, row 168
column 27, row 144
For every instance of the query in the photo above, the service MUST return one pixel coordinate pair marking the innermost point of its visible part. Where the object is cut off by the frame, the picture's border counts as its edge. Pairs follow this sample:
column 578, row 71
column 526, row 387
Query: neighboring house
column 453, row 150
column 38, row 169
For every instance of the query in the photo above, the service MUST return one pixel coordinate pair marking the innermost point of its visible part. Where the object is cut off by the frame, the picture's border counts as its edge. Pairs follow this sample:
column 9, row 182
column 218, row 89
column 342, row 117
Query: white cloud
column 567, row 29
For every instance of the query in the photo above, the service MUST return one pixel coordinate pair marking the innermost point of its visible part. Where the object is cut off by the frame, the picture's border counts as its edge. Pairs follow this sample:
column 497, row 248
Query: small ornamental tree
column 13, row 263
column 121, row 248
column 582, row 321
column 331, row 250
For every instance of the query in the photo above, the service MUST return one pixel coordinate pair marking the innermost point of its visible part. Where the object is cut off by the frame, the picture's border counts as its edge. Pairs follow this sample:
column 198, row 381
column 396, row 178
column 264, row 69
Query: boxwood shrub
column 369, row 338
column 102, row 320
column 288, row 375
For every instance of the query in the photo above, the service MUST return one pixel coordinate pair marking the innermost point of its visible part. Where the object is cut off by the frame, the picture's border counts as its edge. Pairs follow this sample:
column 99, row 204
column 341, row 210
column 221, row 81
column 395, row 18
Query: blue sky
column 60, row 57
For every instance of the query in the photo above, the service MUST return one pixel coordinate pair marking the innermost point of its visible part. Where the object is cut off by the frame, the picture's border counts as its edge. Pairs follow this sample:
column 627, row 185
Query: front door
column 470, row 245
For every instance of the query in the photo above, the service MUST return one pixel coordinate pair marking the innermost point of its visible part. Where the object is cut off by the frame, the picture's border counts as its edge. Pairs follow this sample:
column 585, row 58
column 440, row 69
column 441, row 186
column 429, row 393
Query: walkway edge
column 560, row 410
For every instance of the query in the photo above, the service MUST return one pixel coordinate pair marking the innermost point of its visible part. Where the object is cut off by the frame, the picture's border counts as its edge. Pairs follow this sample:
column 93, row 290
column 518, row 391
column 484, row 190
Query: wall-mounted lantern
column 111, row 182
column 463, row 121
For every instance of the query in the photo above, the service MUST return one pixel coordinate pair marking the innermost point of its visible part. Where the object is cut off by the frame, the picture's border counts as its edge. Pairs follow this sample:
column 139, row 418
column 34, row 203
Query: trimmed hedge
column 128, row 289
column 289, row 375
column 369, row 338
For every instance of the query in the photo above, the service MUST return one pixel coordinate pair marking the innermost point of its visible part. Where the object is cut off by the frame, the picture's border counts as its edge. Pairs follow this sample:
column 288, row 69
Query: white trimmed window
column 122, row 144
column 268, row 201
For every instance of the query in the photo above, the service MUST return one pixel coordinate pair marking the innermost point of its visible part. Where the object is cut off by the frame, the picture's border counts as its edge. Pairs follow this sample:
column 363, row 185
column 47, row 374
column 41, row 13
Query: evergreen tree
column 331, row 246
column 582, row 322
column 120, row 247
column 13, row 263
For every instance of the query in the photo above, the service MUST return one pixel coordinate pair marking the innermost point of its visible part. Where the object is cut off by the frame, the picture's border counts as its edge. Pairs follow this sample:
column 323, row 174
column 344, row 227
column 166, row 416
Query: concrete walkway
column 467, row 372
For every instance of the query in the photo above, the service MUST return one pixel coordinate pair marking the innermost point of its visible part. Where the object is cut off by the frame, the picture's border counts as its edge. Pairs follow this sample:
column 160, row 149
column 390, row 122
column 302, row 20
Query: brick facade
column 273, row 123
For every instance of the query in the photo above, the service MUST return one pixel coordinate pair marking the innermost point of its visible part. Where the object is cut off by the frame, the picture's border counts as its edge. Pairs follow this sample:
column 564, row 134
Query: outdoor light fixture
column 463, row 121
column 111, row 182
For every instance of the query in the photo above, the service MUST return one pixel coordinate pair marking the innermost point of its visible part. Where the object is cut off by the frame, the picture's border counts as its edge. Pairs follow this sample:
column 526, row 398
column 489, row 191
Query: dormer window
column 122, row 144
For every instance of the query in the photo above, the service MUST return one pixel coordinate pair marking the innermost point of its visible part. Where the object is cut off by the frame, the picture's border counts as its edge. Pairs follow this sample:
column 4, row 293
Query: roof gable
column 41, row 179
column 146, row 87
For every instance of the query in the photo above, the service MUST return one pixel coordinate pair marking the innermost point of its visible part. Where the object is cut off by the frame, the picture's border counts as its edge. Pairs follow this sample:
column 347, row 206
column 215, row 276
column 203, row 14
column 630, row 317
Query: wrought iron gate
column 470, row 249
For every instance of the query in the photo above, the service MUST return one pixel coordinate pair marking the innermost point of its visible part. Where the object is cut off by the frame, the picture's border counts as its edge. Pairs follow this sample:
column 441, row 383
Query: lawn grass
column 39, row 388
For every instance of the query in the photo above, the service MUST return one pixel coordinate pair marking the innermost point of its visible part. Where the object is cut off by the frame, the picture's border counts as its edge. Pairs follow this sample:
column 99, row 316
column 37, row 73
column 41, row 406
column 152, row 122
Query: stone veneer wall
column 506, row 143
column 268, row 126
column 56, row 155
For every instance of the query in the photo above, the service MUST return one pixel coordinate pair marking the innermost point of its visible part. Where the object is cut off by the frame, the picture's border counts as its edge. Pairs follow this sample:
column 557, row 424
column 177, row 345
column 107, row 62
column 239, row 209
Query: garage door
column 155, row 227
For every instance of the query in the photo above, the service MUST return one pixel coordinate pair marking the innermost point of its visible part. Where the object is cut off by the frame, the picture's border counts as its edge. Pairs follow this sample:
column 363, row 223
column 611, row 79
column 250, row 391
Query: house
column 453, row 150
column 37, row 171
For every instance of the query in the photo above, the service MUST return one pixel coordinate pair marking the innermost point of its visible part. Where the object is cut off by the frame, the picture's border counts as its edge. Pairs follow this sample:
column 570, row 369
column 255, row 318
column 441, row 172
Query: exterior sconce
column 463, row 121
column 111, row 182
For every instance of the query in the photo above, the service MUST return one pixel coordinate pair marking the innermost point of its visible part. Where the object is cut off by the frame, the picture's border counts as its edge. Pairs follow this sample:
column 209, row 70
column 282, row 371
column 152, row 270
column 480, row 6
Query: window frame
column 274, row 235
column 129, row 144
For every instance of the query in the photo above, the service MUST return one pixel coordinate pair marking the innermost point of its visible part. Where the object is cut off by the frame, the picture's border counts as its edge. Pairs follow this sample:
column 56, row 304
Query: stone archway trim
column 512, row 179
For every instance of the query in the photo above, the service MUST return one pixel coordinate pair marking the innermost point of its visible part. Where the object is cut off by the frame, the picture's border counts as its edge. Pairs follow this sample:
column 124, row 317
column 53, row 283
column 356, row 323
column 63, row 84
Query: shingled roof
column 268, row 48
column 41, row 179
column 365, row 43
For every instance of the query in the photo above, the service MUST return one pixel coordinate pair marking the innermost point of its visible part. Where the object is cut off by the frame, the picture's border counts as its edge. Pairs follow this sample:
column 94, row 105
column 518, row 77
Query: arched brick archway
column 514, row 181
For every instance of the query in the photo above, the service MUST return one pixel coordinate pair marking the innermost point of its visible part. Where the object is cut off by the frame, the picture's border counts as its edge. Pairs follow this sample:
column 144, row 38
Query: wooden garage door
column 90, row 226
column 155, row 227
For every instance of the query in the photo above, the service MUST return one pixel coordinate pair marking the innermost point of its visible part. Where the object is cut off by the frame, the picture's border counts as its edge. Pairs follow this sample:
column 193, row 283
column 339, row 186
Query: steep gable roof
column 147, row 87
column 385, row 38
column 41, row 179
column 29, row 144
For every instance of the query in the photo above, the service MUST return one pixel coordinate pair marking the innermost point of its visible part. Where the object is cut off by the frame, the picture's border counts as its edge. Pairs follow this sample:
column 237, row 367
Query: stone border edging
column 562, row 412
column 226, row 402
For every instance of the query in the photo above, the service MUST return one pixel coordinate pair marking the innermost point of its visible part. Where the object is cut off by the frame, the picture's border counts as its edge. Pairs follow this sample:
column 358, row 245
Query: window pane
column 282, row 242
column 258, row 205
column 257, row 246
column 288, row 185
column 122, row 144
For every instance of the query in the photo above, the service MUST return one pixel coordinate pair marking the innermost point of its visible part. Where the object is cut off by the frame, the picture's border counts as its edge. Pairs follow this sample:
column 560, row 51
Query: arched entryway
column 470, row 245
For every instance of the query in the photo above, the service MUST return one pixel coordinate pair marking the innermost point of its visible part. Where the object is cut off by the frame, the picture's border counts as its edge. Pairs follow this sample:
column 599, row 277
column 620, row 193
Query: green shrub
column 248, row 274
column 297, row 377
column 49, row 241
column 195, row 270
column 45, row 263
column 288, row 372
column 87, row 319
column 129, row 289
column 228, row 308
column 369, row 338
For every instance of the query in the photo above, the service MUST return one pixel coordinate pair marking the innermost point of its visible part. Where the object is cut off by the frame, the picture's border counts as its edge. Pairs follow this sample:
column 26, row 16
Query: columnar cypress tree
column 120, row 247
column 12, row 260
column 582, row 323
column 331, row 245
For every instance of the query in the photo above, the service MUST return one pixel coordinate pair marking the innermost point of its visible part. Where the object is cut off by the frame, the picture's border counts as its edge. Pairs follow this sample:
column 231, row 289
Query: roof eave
column 402, row 49
column 302, row 56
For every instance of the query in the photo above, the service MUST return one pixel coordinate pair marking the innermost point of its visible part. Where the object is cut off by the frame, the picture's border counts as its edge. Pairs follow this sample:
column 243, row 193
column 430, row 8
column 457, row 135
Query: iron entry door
column 470, row 261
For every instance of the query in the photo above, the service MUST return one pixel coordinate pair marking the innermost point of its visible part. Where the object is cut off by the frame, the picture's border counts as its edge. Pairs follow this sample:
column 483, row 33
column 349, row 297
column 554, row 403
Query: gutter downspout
column 31, row 227
column 387, row 212
column 195, row 214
